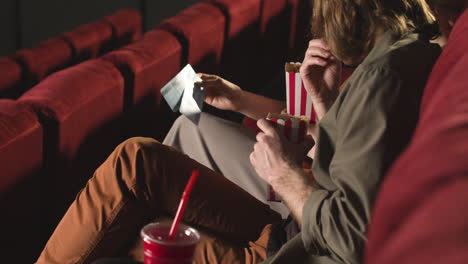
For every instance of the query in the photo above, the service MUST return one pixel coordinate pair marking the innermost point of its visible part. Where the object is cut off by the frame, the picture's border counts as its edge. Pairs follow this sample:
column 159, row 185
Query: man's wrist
column 296, row 194
column 293, row 181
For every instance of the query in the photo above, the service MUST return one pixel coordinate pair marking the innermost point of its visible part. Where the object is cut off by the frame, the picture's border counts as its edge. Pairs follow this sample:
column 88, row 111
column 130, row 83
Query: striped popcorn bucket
column 294, row 129
column 298, row 102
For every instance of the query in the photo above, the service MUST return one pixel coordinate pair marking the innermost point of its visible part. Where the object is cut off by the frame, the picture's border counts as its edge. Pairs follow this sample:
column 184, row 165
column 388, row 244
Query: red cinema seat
column 420, row 215
column 240, row 56
column 147, row 65
column 200, row 28
column 275, row 25
column 89, row 41
column 20, row 183
column 127, row 26
column 10, row 78
column 43, row 59
column 80, row 109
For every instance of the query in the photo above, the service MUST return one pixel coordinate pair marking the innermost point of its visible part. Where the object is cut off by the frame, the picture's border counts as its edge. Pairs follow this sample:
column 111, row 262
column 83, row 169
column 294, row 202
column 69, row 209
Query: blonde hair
column 349, row 26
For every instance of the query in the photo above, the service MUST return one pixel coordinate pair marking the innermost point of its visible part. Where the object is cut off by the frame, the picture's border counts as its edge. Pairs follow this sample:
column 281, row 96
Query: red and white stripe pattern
column 294, row 130
column 297, row 100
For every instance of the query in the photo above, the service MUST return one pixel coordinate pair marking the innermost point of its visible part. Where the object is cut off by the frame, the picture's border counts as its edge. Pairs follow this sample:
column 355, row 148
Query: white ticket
column 182, row 95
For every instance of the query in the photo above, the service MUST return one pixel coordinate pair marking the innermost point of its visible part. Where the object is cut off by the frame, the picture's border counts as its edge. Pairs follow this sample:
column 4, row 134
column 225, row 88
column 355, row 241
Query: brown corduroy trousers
column 143, row 180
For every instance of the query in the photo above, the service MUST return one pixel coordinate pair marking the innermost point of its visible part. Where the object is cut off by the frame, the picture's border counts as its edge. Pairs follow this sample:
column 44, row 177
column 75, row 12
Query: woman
column 360, row 132
column 446, row 12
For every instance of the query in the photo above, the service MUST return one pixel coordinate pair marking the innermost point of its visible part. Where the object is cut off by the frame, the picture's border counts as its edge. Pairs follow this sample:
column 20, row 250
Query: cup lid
column 159, row 233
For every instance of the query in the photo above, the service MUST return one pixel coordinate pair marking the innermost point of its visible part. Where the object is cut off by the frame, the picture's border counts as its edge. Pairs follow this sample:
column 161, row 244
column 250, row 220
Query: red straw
column 182, row 204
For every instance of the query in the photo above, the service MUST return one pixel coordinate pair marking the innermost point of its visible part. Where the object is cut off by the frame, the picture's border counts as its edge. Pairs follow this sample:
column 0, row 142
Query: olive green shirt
column 369, row 124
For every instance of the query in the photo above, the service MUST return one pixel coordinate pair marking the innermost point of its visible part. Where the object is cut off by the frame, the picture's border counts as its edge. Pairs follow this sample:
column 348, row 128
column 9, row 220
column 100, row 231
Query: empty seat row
column 85, row 42
column 51, row 139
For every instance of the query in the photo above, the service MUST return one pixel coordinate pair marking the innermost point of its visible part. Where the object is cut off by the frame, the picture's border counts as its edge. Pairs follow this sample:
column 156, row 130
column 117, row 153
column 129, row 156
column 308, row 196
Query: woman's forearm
column 257, row 106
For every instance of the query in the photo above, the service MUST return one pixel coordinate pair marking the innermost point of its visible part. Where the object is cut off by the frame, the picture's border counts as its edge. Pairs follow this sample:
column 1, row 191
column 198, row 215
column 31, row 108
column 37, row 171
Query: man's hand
column 220, row 93
column 321, row 72
column 277, row 161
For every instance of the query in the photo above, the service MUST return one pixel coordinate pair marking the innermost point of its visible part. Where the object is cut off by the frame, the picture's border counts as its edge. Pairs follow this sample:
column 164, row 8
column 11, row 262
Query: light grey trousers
column 223, row 146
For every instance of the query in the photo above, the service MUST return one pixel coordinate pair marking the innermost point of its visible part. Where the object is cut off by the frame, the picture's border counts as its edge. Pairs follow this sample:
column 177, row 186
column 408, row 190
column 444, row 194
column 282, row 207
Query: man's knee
column 137, row 143
column 137, row 158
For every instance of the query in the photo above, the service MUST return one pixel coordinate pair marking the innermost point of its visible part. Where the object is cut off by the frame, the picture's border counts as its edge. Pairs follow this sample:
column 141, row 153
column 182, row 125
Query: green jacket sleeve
column 335, row 222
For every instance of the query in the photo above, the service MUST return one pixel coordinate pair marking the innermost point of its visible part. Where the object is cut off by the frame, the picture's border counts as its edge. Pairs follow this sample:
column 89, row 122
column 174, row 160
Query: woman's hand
column 320, row 72
column 220, row 93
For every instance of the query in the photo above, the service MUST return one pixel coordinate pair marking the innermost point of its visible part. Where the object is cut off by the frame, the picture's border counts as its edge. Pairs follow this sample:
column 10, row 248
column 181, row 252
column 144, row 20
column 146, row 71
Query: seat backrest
column 147, row 65
column 420, row 214
column 80, row 109
column 43, row 59
column 10, row 78
column 127, row 26
column 241, row 52
column 89, row 41
column 200, row 28
column 20, row 183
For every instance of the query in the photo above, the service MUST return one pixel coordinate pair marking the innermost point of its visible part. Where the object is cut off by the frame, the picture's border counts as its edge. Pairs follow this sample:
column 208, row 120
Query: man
column 360, row 133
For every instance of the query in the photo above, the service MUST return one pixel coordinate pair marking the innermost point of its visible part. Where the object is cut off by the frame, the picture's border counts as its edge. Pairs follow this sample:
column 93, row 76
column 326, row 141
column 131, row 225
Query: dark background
column 24, row 23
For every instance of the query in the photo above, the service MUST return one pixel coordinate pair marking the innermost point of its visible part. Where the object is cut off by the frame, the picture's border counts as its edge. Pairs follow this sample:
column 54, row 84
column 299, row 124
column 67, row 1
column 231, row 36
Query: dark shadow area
column 45, row 19
column 13, row 92
column 22, row 219
column 158, row 11
column 241, row 59
column 68, row 170
column 275, row 44
column 303, row 30
column 9, row 27
column 150, row 118
column 209, row 63
column 276, row 87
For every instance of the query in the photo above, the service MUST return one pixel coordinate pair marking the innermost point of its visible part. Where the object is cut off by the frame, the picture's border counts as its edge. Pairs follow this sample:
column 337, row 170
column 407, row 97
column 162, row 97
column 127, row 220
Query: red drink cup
column 159, row 249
